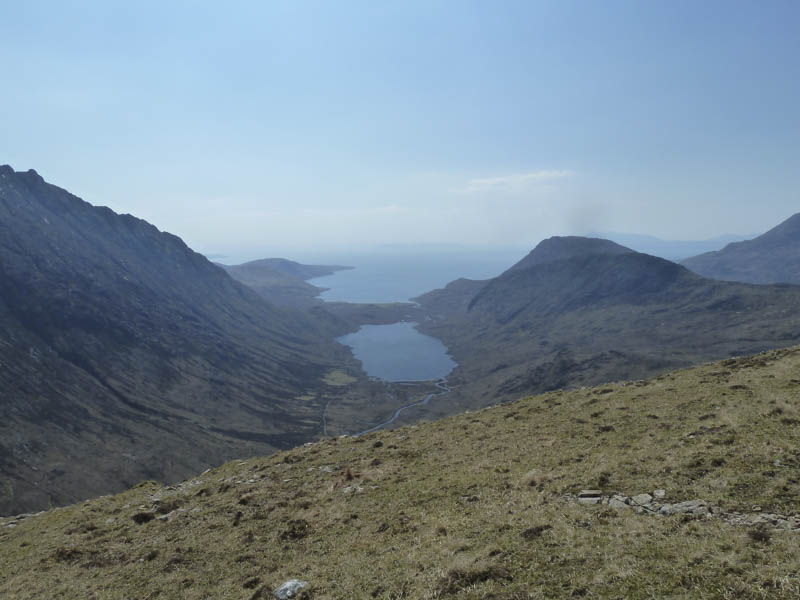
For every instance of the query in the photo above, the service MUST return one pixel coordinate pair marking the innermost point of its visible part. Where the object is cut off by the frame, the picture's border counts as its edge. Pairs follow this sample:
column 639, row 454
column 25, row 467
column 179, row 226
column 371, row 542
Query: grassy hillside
column 481, row 505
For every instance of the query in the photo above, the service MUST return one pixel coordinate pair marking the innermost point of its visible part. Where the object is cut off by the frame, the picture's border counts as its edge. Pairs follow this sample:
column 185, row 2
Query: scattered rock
column 692, row 507
column 651, row 504
column 290, row 589
column 590, row 496
column 618, row 502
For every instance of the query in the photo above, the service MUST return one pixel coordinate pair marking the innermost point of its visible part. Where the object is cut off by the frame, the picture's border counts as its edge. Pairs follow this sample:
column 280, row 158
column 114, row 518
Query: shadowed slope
column 126, row 355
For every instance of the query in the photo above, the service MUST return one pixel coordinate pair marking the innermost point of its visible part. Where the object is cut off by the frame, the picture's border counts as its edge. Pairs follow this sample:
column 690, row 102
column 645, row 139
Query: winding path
column 441, row 384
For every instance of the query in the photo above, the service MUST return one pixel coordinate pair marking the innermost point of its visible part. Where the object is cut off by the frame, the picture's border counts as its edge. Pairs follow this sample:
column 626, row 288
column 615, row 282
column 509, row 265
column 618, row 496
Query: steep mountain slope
column 125, row 355
column 581, row 316
column 773, row 257
column 282, row 281
column 478, row 506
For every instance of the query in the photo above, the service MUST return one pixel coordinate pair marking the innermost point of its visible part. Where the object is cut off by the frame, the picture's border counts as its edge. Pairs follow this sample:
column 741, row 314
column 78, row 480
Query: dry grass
column 468, row 507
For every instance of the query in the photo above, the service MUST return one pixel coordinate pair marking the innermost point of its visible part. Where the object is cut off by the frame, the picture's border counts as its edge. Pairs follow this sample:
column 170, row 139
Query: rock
column 290, row 589
column 618, row 502
column 659, row 494
column 642, row 499
column 590, row 494
column 590, row 500
column 693, row 507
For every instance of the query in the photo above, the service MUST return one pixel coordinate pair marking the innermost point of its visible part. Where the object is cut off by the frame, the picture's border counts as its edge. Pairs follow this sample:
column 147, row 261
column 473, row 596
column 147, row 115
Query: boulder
column 290, row 589
column 618, row 502
column 590, row 497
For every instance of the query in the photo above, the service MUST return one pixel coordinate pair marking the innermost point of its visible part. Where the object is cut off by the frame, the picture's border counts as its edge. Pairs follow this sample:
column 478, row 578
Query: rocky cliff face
column 125, row 355
column 773, row 257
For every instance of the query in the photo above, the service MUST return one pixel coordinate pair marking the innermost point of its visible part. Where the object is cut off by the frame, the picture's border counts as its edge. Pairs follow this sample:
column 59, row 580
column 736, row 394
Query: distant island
column 282, row 281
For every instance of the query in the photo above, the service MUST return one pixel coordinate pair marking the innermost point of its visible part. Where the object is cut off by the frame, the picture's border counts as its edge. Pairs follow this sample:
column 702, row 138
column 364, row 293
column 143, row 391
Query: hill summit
column 558, row 248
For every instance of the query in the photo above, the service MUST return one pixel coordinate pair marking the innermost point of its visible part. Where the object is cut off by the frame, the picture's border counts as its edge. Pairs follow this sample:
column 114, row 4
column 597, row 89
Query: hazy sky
column 314, row 125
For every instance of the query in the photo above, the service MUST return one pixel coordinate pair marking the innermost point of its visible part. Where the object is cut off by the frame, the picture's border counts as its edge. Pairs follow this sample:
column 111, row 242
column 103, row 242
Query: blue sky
column 305, row 126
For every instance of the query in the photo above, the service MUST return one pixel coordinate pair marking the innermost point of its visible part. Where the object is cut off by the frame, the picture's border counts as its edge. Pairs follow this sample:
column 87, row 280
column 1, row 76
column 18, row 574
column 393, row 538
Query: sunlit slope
column 481, row 505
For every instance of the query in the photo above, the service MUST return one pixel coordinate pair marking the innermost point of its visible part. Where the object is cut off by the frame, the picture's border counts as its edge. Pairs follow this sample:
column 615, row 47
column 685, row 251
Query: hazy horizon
column 303, row 129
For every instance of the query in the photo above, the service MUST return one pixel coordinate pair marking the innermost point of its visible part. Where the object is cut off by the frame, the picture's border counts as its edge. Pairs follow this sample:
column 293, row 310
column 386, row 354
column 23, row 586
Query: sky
column 290, row 128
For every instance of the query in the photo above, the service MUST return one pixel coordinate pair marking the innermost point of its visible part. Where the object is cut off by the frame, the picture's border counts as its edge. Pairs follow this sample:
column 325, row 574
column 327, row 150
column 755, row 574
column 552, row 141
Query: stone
column 659, row 494
column 615, row 502
column 590, row 500
column 692, row 507
column 590, row 494
column 642, row 499
column 290, row 589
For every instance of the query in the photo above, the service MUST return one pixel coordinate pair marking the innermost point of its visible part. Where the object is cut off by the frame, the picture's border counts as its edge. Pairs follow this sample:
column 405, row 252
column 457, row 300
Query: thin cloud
column 512, row 183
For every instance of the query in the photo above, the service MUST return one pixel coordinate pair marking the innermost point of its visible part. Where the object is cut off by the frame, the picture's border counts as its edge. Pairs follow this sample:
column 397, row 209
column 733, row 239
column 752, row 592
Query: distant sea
column 397, row 277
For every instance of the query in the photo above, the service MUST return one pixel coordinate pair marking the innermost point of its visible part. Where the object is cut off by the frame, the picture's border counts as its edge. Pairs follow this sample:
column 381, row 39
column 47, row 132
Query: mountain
column 674, row 250
column 582, row 312
column 773, row 257
column 682, row 486
column 127, row 356
column 282, row 281
column 562, row 248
